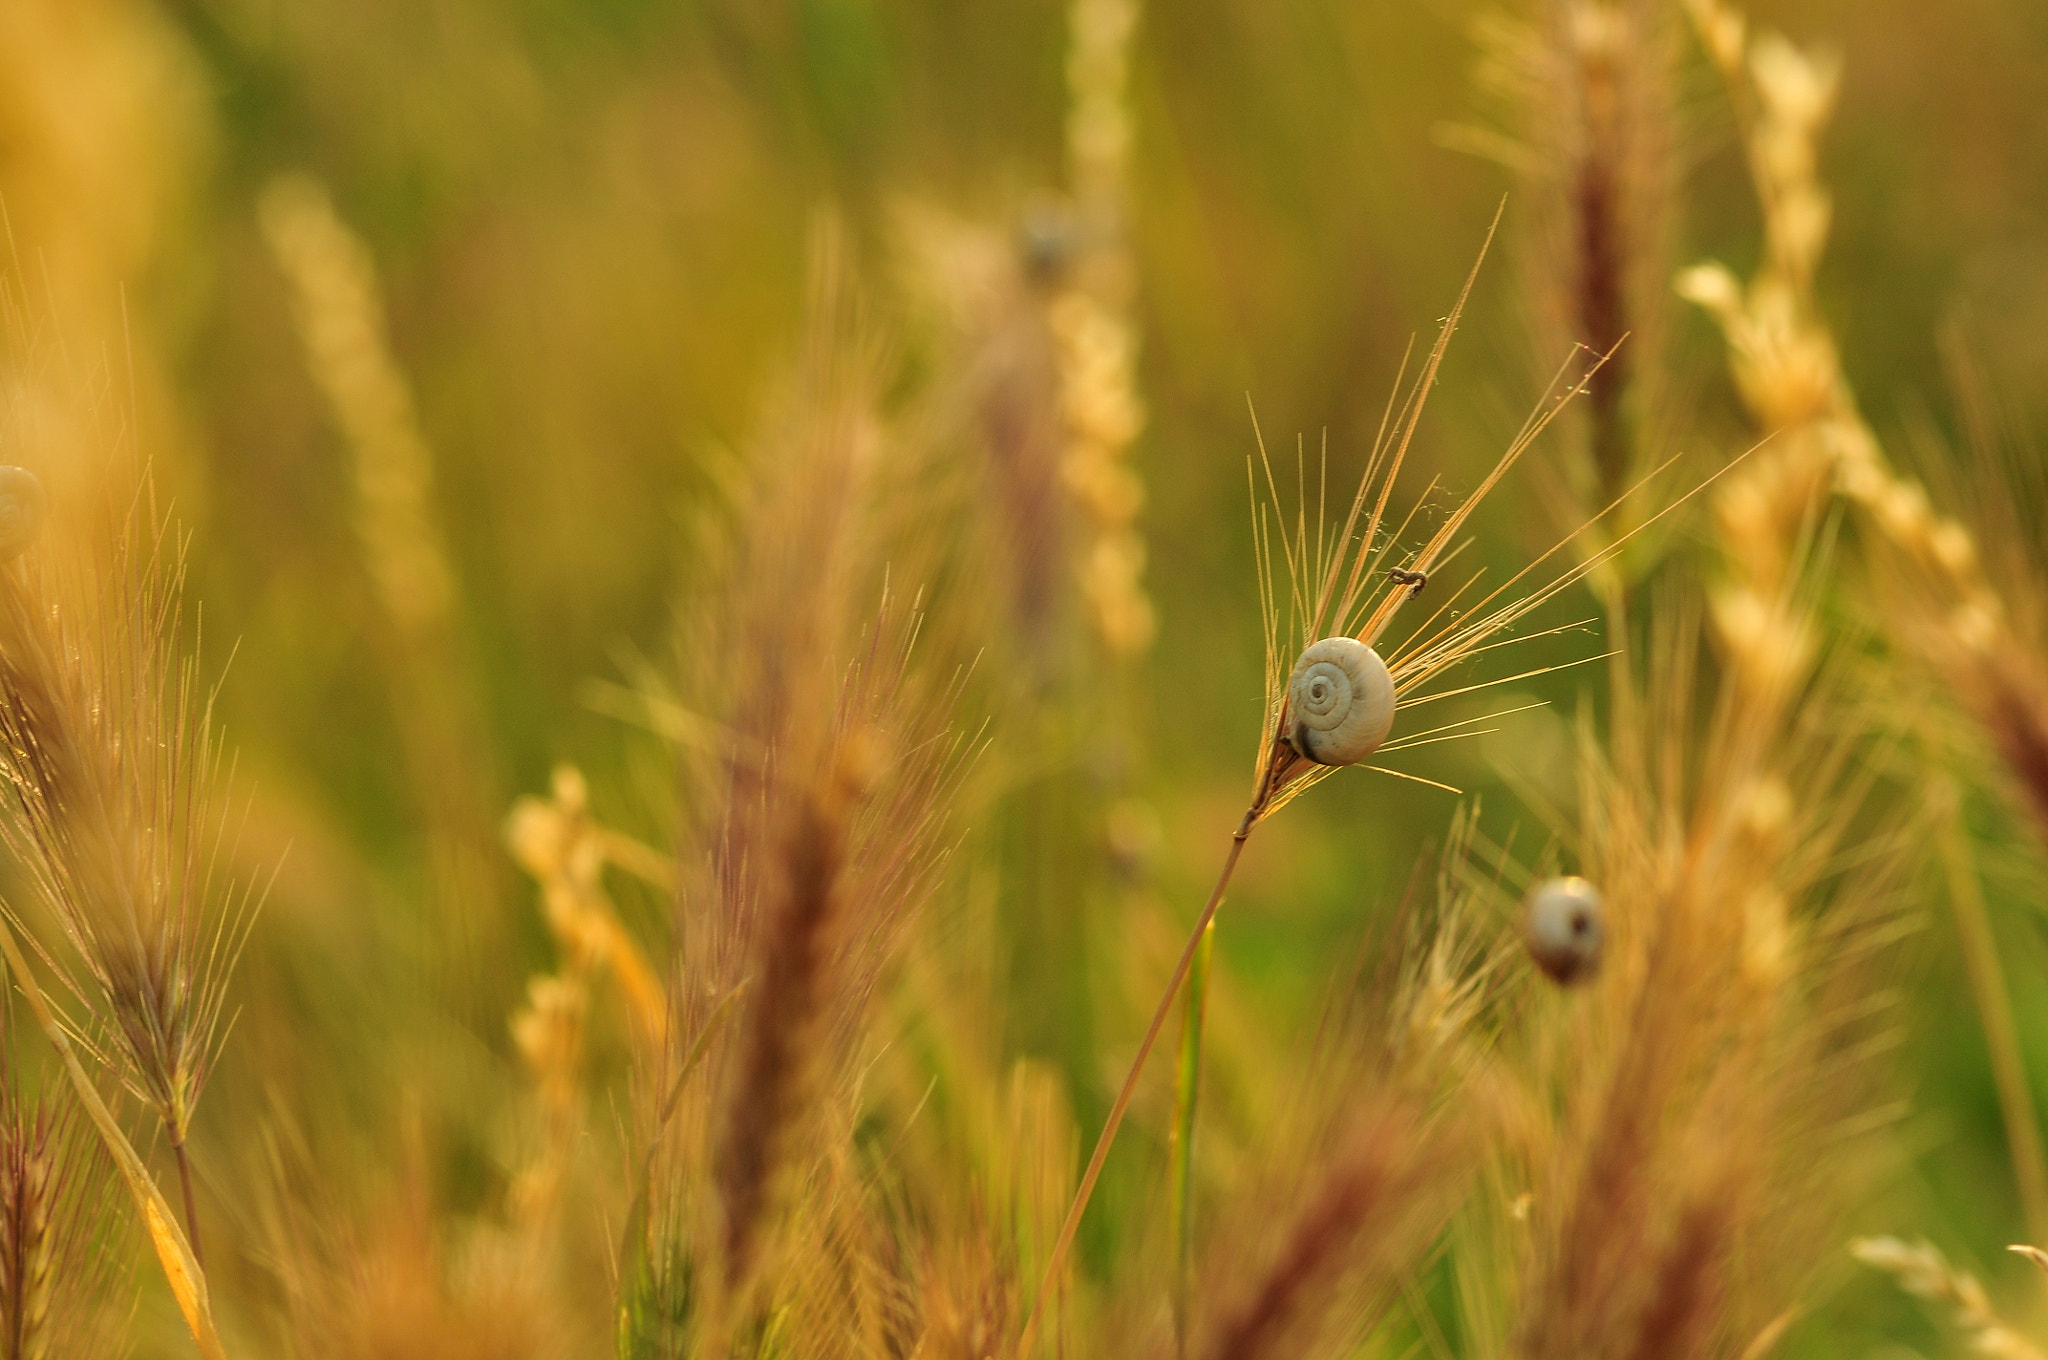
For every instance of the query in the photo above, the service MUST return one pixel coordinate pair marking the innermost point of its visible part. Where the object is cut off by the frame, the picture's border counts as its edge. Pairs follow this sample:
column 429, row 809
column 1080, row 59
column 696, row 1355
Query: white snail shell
column 1340, row 702
column 1564, row 924
column 21, row 511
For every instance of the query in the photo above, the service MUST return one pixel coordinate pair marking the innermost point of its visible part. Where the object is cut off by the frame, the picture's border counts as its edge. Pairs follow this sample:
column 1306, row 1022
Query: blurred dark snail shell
column 1340, row 702
column 1048, row 237
column 1564, row 924
column 22, row 505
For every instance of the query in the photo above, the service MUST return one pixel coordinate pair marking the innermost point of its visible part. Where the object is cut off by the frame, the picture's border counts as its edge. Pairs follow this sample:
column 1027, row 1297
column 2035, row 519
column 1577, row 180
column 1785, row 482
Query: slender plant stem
column 1130, row 1086
column 1994, row 1011
column 181, row 1268
column 191, row 1204
column 1187, row 1095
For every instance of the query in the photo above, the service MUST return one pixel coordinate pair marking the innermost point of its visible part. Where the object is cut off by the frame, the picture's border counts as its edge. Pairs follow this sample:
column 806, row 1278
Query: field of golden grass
column 991, row 682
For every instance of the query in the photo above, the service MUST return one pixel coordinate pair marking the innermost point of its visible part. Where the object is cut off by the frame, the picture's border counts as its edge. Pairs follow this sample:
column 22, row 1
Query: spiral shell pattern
column 1340, row 702
column 21, row 511
column 1564, row 925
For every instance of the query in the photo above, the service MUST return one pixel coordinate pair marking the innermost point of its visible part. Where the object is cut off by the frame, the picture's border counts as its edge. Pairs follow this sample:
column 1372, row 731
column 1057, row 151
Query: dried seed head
column 21, row 511
column 1564, row 925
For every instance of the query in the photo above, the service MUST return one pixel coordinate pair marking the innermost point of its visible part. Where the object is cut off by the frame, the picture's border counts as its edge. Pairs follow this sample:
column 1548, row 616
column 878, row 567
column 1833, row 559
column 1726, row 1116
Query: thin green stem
column 191, row 1202
column 1994, row 1011
column 1187, row 1095
column 1130, row 1086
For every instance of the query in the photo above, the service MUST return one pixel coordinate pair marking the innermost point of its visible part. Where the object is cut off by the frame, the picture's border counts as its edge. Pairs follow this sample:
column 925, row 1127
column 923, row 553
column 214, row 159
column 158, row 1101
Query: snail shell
column 1340, row 702
column 1564, row 925
column 21, row 511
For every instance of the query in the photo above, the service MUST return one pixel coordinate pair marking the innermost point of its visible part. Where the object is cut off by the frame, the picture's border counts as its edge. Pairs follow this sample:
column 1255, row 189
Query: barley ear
column 174, row 1253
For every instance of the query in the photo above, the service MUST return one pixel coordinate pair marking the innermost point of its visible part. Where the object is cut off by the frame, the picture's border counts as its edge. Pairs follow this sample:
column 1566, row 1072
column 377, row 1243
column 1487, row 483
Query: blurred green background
column 589, row 220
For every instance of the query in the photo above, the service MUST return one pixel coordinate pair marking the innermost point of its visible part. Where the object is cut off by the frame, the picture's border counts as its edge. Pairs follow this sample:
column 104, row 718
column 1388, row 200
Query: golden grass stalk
column 2007, row 689
column 1683, row 1306
column 174, row 1252
column 1922, row 1271
column 968, row 1308
column 1094, row 337
column 1697, row 1117
column 1781, row 355
column 337, row 303
column 548, row 1032
column 1991, row 643
column 1104, row 416
column 107, row 751
column 109, row 757
column 1336, row 586
column 1585, row 91
column 27, row 1186
column 55, row 1267
column 786, row 1003
column 1788, row 374
column 1187, row 1087
column 816, row 827
column 848, row 859
column 392, row 1274
column 983, row 1149
column 1360, row 1198
column 1363, row 1162
column 341, row 320
column 559, row 843
column 1000, row 391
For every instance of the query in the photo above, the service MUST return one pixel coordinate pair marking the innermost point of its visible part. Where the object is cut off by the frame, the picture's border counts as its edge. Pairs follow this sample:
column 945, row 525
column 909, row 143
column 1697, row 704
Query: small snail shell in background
column 1564, row 924
column 21, row 511
column 1340, row 702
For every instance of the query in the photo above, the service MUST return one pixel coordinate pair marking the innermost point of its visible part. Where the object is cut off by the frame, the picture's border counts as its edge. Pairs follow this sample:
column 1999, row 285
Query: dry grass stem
column 1094, row 336
column 1922, row 1271
column 559, row 843
column 820, row 832
column 174, row 1253
column 1788, row 374
column 1331, row 578
column 341, row 320
column 1731, row 1030
column 435, row 700
column 785, row 1005
column 57, row 1245
column 110, row 758
column 1359, row 1197
column 1586, row 92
